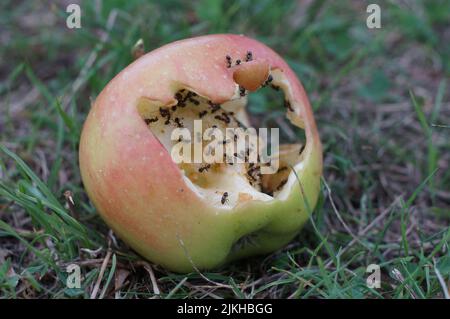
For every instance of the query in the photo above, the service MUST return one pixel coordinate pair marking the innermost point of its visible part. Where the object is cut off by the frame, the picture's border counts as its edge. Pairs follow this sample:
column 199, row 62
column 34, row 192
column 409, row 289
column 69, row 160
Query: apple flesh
column 173, row 214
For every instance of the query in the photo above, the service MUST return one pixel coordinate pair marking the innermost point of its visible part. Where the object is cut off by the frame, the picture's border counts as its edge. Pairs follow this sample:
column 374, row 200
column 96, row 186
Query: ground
column 381, row 102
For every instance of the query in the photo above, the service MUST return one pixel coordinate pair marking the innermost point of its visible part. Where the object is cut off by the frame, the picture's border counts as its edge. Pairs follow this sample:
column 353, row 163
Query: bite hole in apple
column 240, row 182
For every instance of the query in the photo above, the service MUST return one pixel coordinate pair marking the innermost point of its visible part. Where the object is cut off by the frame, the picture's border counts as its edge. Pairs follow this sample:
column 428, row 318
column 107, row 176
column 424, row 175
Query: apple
column 191, row 216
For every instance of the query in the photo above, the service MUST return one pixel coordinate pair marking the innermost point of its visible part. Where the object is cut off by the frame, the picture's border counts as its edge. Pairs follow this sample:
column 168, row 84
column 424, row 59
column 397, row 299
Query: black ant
column 178, row 96
column 224, row 198
column 241, row 91
column 178, row 122
column 204, row 168
column 194, row 101
column 249, row 56
column 287, row 104
column 151, row 120
column 214, row 106
column 202, row 114
column 228, row 58
column 301, row 149
column 269, row 80
column 222, row 118
column 225, row 116
column 164, row 112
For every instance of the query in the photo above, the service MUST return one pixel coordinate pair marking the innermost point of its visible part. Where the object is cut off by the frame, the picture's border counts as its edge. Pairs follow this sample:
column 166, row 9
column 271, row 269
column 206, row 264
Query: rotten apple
column 198, row 215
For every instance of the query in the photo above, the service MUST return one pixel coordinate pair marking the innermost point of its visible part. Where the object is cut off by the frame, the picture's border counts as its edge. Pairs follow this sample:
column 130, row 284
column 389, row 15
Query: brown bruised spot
column 251, row 75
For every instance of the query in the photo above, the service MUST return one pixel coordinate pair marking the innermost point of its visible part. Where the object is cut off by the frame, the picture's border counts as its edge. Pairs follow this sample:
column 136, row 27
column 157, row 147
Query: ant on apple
column 224, row 198
column 249, row 56
column 151, row 120
column 204, row 168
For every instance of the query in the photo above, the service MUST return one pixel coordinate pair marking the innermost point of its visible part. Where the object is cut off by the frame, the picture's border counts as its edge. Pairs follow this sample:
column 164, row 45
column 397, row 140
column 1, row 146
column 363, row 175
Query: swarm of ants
column 185, row 97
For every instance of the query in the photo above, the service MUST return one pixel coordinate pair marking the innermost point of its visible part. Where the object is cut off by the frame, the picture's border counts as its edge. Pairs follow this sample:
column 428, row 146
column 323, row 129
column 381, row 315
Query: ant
column 194, row 101
column 202, row 114
column 241, row 91
column 222, row 118
column 301, row 149
column 178, row 96
column 249, row 56
column 151, row 120
column 269, row 80
column 164, row 112
column 287, row 104
column 214, row 106
column 228, row 58
column 204, row 168
column 224, row 198
column 225, row 116
column 178, row 122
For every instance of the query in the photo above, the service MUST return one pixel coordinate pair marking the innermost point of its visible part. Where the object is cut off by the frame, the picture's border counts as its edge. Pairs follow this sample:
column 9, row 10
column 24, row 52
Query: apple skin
column 140, row 192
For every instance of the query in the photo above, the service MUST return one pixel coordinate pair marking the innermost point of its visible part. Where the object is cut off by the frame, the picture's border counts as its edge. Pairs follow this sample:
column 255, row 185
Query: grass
column 381, row 103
